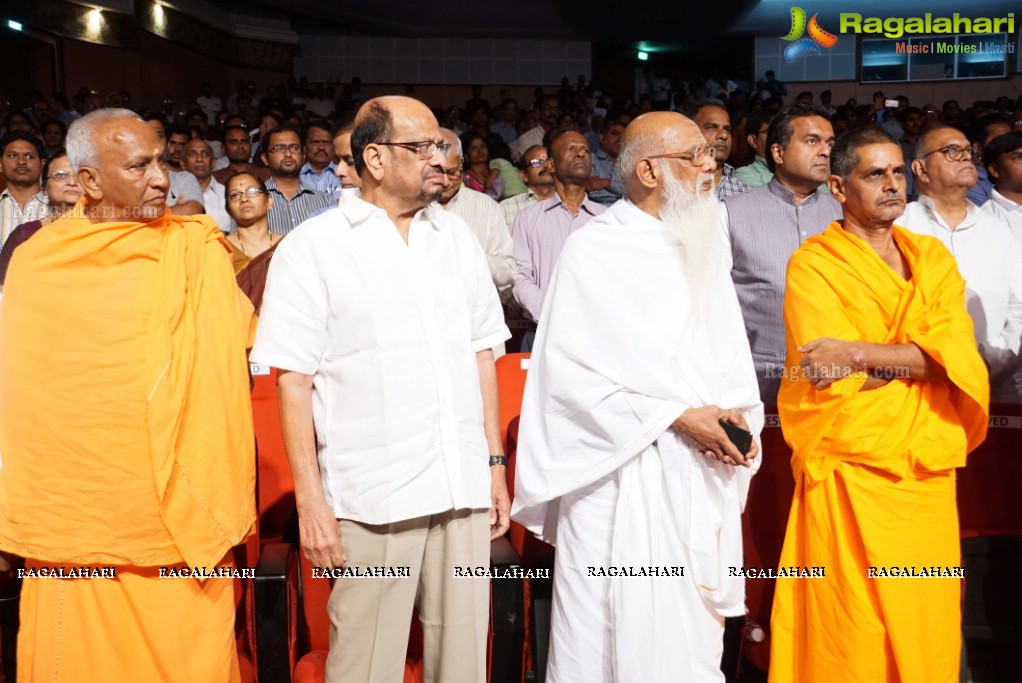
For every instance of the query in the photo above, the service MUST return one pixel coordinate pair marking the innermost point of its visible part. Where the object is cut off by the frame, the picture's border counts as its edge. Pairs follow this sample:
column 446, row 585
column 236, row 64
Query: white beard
column 693, row 218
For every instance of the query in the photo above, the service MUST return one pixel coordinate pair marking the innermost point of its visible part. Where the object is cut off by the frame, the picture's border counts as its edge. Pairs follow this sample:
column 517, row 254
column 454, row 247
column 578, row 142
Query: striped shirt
column 287, row 214
column 512, row 205
column 539, row 234
column 12, row 215
column 762, row 228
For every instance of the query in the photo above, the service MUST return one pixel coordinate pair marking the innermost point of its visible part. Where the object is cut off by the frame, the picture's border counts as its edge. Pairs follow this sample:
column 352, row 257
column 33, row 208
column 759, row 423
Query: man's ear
column 919, row 168
column 993, row 171
column 648, row 174
column 750, row 139
column 373, row 161
column 836, row 185
column 777, row 152
column 88, row 180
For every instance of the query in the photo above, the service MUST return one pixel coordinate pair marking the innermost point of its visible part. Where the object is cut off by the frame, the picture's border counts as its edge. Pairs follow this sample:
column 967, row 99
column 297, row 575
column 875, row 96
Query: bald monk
column 621, row 459
column 125, row 425
column 887, row 396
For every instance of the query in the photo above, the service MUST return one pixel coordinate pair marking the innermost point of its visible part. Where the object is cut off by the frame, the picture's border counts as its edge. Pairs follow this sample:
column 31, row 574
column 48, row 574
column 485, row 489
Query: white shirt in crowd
column 390, row 332
column 1008, row 211
column 486, row 222
column 990, row 260
column 215, row 203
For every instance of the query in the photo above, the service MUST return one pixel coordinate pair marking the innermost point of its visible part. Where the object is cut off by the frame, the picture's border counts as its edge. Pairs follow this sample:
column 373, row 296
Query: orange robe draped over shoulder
column 126, row 440
column 875, row 470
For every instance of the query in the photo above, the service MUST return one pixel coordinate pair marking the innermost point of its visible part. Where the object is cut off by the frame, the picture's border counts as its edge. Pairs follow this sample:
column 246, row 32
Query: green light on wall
column 643, row 56
column 14, row 25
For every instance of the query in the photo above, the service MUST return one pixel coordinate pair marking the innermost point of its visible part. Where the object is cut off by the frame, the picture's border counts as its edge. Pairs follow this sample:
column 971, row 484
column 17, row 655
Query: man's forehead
column 537, row 153
column 881, row 154
column 813, row 125
column 946, row 136
column 198, row 144
column 19, row 146
column 712, row 112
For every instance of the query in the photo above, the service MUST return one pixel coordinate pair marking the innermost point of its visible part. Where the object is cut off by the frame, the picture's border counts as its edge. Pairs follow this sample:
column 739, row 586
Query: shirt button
column 803, row 233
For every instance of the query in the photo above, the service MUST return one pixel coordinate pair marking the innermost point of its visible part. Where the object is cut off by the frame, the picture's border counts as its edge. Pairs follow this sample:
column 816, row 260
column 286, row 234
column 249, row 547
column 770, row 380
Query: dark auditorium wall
column 158, row 68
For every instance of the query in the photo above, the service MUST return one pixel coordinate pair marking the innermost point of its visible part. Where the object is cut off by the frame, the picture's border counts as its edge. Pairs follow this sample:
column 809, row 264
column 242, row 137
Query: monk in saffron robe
column 887, row 396
column 125, row 425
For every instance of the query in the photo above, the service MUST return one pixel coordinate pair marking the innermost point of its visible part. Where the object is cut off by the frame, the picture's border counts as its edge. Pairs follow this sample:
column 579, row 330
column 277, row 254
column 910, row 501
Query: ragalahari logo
column 803, row 45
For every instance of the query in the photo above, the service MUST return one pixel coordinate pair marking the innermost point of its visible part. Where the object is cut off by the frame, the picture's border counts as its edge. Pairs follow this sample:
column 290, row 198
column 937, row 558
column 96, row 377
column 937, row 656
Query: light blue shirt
column 326, row 181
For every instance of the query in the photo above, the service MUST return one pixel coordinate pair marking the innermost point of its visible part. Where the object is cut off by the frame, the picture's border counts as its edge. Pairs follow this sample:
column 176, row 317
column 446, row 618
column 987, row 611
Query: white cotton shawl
column 620, row 353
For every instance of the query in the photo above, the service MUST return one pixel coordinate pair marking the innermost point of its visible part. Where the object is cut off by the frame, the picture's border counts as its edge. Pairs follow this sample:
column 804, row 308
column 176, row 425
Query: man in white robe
column 621, row 459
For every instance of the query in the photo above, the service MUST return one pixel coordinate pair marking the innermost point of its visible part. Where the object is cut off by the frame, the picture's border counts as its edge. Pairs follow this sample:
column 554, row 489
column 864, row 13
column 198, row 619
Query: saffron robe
column 875, row 470
column 126, row 434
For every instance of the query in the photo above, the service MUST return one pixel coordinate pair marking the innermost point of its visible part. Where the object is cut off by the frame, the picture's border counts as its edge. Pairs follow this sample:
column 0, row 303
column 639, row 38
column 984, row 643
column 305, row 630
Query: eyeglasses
column 454, row 172
column 426, row 149
column 294, row 148
column 955, row 152
column 696, row 156
column 62, row 176
column 250, row 192
column 537, row 162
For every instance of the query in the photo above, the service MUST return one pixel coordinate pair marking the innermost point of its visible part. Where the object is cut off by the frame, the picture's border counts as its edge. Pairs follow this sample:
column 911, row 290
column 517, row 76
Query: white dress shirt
column 1007, row 210
column 390, row 332
column 215, row 203
column 990, row 260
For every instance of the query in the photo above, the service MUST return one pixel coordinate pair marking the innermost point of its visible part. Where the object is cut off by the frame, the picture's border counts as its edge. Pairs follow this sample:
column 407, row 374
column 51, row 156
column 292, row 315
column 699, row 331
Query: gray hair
column 633, row 150
column 456, row 150
column 81, row 136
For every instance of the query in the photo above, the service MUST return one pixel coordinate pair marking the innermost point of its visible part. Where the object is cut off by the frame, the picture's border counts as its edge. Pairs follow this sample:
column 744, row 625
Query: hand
column 320, row 535
column 827, row 360
column 500, row 509
column 700, row 425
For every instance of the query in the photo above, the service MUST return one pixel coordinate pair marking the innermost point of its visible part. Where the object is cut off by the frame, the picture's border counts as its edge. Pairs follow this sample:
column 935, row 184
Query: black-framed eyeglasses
column 697, row 156
column 250, row 192
column 425, row 148
column 537, row 162
column 956, row 152
column 294, row 148
column 62, row 176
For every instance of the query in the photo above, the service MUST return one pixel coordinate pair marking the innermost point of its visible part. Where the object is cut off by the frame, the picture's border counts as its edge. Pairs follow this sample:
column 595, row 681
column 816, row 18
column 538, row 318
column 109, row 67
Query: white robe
column 620, row 353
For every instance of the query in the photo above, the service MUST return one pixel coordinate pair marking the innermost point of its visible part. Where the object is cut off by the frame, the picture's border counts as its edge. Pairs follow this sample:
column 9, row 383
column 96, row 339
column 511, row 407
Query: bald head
column 407, row 174
column 659, row 135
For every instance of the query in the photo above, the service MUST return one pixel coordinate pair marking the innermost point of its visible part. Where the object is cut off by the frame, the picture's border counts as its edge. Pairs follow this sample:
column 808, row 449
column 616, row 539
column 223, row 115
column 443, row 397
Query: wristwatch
column 498, row 460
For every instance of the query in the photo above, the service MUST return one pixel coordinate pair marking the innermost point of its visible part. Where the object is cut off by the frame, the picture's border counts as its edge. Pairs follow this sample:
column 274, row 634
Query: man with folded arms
column 125, row 423
column 885, row 396
column 621, row 458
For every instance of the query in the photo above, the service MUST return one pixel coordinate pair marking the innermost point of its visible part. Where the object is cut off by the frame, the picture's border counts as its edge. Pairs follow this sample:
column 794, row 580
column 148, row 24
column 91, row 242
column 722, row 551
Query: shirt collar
column 39, row 197
column 359, row 211
column 787, row 196
column 971, row 214
column 1004, row 202
column 308, row 170
column 271, row 185
column 555, row 201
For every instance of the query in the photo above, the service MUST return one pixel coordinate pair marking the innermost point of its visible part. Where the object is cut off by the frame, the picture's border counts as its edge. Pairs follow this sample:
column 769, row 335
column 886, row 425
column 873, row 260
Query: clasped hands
column 701, row 426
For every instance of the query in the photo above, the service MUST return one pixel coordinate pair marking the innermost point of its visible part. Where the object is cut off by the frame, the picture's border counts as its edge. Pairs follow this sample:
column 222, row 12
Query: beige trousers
column 370, row 617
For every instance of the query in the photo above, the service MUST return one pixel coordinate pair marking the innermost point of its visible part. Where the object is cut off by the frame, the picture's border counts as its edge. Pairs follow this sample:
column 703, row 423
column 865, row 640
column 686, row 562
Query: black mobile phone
column 741, row 438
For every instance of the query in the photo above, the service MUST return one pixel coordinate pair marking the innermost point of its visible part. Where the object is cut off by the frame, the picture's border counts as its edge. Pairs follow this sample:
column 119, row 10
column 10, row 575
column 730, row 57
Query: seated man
column 885, row 396
column 621, row 458
column 1003, row 159
column 714, row 120
column 127, row 436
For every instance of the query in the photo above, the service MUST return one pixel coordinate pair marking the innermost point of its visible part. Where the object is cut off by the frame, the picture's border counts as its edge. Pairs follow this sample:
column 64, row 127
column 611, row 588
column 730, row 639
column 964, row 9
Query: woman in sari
column 248, row 202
